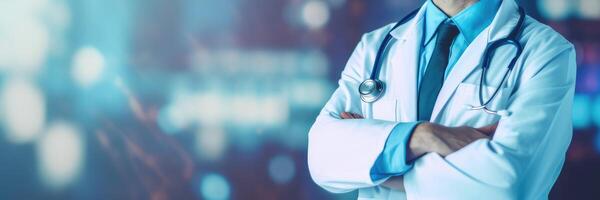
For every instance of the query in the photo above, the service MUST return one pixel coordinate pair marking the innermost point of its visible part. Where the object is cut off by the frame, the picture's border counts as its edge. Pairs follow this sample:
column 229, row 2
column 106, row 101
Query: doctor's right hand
column 430, row 137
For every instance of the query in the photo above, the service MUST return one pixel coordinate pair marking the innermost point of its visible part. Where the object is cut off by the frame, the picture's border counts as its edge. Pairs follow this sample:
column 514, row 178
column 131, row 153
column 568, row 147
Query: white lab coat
column 521, row 161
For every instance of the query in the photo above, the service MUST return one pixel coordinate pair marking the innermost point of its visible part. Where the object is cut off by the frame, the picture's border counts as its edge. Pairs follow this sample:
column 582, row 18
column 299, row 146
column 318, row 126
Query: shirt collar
column 470, row 21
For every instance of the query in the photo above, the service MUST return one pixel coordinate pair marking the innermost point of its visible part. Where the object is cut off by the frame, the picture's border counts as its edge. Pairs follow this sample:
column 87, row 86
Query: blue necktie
column 434, row 75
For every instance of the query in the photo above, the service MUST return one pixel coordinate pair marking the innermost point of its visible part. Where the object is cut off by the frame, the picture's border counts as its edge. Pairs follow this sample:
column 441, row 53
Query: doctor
column 462, row 99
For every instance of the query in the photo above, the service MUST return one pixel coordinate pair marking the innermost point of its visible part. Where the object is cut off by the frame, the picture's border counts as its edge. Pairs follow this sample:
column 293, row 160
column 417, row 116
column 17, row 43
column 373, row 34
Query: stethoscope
column 372, row 89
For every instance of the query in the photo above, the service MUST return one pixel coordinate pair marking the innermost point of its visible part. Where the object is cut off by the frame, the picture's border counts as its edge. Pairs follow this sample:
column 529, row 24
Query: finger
column 357, row 116
column 489, row 129
column 346, row 115
column 349, row 115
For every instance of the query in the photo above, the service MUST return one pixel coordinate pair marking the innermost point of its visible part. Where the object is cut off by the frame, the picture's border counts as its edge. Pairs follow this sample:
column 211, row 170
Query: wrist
column 417, row 145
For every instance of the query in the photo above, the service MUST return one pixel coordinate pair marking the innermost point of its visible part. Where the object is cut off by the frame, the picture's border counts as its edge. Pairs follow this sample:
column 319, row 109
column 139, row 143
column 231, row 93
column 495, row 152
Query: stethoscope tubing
column 374, row 93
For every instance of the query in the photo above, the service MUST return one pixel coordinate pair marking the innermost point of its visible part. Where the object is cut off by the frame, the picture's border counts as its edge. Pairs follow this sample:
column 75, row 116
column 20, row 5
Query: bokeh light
column 169, row 120
column 273, row 111
column 57, row 14
column 315, row 14
column 193, row 108
column 309, row 93
column 581, row 111
column 24, row 46
column 210, row 108
column 23, row 110
column 589, row 9
column 281, row 169
column 88, row 64
column 131, row 99
column 555, row 9
column 595, row 111
column 211, row 143
column 214, row 187
column 61, row 154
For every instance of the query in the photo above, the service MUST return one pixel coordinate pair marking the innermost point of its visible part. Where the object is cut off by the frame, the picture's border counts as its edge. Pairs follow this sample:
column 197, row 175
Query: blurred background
column 202, row 99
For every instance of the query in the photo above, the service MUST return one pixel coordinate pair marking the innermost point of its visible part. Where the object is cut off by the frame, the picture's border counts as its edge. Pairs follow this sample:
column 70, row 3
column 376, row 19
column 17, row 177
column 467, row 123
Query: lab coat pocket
column 458, row 112
column 384, row 109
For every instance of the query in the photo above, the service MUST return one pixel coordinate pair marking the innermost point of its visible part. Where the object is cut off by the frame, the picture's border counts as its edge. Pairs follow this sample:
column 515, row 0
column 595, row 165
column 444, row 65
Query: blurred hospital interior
column 203, row 99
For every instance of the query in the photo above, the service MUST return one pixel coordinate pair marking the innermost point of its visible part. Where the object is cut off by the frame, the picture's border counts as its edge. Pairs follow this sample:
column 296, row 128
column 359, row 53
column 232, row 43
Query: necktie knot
column 447, row 32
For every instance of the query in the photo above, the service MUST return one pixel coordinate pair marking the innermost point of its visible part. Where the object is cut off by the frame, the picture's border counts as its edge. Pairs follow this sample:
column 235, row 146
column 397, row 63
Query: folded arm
column 343, row 152
column 430, row 138
column 526, row 153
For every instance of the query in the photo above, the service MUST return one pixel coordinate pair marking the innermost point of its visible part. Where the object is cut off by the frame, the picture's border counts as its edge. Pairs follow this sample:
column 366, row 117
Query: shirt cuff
column 392, row 161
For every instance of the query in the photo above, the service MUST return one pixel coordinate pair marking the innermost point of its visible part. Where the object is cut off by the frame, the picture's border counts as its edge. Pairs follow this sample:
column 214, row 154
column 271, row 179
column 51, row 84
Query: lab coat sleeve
column 341, row 152
column 392, row 161
column 539, row 127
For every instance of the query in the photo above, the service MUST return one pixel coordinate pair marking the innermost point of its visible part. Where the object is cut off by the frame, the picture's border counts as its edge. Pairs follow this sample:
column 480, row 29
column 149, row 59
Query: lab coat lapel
column 463, row 67
column 501, row 26
column 404, row 64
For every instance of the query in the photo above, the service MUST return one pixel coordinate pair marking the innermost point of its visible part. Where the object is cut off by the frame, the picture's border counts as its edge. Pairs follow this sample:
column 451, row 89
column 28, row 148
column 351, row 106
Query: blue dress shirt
column 471, row 21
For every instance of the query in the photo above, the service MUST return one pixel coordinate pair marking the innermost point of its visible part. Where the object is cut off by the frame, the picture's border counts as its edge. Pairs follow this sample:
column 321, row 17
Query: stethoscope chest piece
column 371, row 90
